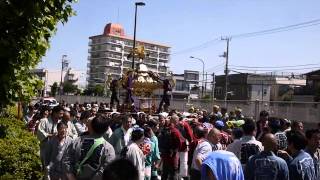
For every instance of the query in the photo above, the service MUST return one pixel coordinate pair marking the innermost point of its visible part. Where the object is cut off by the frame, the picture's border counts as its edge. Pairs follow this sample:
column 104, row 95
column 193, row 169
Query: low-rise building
column 49, row 77
column 187, row 85
column 310, row 92
column 261, row 87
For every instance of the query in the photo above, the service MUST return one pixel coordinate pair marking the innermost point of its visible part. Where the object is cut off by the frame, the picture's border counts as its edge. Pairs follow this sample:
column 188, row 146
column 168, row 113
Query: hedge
column 19, row 151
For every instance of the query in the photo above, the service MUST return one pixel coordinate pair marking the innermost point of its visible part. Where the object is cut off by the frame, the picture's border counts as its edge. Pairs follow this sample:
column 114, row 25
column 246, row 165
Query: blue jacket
column 316, row 160
column 224, row 165
column 266, row 165
column 301, row 167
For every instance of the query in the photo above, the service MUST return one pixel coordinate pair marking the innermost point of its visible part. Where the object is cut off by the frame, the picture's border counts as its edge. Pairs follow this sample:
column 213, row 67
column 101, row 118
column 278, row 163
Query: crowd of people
column 92, row 141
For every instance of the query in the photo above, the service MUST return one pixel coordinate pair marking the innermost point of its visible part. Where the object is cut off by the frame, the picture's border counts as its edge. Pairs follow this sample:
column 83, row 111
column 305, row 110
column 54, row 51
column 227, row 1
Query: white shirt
column 202, row 151
column 136, row 156
column 236, row 147
column 80, row 127
column 71, row 130
column 46, row 126
column 127, row 135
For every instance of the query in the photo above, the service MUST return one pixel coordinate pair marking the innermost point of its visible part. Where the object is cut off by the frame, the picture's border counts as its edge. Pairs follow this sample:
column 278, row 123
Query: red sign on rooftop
column 113, row 29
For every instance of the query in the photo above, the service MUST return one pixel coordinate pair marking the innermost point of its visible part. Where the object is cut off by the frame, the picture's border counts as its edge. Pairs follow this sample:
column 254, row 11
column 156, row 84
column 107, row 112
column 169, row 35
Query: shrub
column 19, row 151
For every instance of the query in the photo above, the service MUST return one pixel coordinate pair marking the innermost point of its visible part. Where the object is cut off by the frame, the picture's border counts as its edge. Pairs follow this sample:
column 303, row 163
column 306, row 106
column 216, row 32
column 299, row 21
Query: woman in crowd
column 153, row 158
column 42, row 113
column 154, row 125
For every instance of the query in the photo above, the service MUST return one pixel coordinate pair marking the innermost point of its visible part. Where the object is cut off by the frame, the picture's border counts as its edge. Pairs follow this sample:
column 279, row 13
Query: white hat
column 186, row 114
column 164, row 114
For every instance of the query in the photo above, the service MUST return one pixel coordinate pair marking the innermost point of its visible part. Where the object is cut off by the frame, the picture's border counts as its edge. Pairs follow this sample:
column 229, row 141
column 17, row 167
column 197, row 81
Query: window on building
column 94, row 55
column 191, row 77
column 264, row 92
column 163, row 56
column 179, row 85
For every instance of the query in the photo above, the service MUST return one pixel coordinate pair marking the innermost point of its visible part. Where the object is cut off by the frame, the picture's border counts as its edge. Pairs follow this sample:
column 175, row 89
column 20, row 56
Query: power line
column 279, row 29
column 261, row 34
column 274, row 66
column 204, row 45
column 293, row 69
column 215, row 67
column 198, row 47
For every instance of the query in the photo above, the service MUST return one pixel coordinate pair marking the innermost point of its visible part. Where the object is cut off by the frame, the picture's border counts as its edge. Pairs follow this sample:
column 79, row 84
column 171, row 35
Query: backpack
column 247, row 150
column 165, row 141
column 97, row 143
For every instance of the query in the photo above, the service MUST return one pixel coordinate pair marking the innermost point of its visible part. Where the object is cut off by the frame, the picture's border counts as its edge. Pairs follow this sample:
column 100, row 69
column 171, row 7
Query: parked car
column 48, row 101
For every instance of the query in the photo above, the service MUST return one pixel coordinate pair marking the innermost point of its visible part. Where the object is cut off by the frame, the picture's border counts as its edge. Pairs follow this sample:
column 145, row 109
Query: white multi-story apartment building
column 108, row 55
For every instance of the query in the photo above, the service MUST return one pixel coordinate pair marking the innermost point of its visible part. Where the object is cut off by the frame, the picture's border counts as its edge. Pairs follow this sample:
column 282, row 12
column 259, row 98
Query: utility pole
column 63, row 65
column 262, row 91
column 226, row 71
column 205, row 85
column 135, row 29
column 202, row 84
column 213, row 86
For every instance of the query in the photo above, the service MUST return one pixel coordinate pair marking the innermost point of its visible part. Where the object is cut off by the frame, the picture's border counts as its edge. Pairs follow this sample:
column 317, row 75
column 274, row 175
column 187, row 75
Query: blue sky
column 187, row 23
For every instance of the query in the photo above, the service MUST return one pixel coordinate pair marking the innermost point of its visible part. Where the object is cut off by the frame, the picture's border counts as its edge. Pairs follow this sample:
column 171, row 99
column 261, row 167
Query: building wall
column 55, row 76
column 312, row 83
column 260, row 92
column 237, row 84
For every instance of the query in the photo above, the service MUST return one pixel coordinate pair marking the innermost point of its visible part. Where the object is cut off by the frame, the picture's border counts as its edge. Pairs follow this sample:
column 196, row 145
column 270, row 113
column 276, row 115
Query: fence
column 308, row 112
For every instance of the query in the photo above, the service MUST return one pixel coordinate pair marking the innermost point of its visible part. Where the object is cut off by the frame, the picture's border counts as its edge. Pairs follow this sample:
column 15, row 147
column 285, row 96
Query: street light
column 202, row 72
column 135, row 27
column 64, row 65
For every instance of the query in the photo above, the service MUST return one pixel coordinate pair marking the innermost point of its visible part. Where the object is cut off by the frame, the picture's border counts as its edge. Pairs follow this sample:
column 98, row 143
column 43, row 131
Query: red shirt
column 188, row 131
column 173, row 158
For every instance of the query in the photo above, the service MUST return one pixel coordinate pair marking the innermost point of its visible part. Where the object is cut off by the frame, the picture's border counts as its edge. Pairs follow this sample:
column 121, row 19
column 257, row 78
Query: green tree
column 98, row 90
column 87, row 92
column 69, row 87
column 79, row 91
column 18, row 150
column 54, row 89
column 26, row 27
